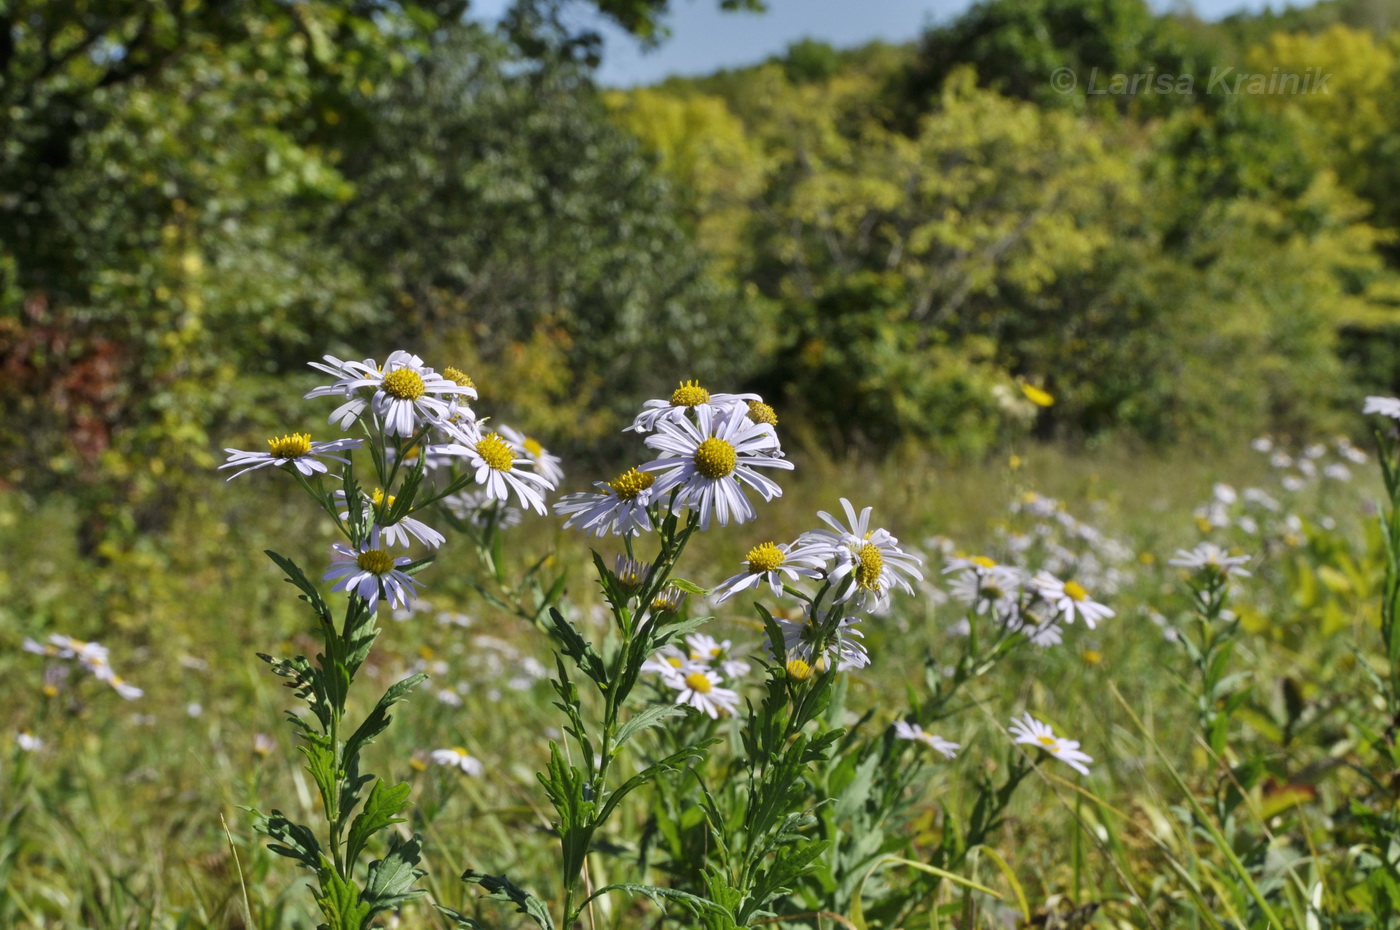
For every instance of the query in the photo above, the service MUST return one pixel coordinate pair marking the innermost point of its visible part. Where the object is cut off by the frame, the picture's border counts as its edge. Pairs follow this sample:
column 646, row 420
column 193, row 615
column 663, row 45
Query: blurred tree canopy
column 891, row 242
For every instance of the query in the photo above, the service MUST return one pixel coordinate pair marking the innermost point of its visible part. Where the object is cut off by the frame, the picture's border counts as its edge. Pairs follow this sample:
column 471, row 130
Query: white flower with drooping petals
column 546, row 465
column 1070, row 598
column 403, row 395
column 399, row 532
column 910, row 731
column 768, row 563
column 371, row 573
column 690, row 396
column 700, row 688
column 842, row 649
column 295, row 449
column 458, row 758
column 870, row 557
column 28, row 741
column 496, row 463
column 1031, row 732
column 709, row 460
column 619, row 506
column 1208, row 556
column 716, row 654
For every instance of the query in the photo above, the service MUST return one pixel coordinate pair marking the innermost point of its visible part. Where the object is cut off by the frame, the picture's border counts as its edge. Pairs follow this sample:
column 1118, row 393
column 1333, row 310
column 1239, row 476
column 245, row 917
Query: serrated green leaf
column 340, row 901
column 391, row 879
column 500, row 888
column 578, row 649
column 382, row 809
column 296, row 577
column 689, row 587
column 648, row 717
column 378, row 719
column 294, row 840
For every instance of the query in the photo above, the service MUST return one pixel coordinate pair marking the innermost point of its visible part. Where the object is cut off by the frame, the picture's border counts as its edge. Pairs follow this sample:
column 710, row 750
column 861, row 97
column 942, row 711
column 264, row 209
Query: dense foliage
column 893, row 243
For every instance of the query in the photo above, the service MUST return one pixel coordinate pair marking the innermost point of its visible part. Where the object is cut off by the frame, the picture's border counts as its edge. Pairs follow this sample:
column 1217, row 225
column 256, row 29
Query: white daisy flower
column 28, row 741
column 546, row 465
column 399, row 532
column 96, row 662
column 405, row 394
column 1292, row 483
column 295, row 449
column 1262, row 444
column 458, row 758
column 449, row 697
column 984, row 585
column 871, row 557
column 910, row 731
column 495, row 462
column 800, row 640
column 64, row 647
column 1209, row 557
column 1070, row 599
column 370, row 572
column 710, row 459
column 618, row 506
column 716, row 654
column 690, row 396
column 700, row 688
column 1039, row 633
column 769, row 563
column 128, row 690
column 669, row 661
column 1032, row 732
column 344, row 373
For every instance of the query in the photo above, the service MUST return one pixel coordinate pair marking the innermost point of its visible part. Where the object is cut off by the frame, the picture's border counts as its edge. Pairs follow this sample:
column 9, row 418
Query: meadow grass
column 118, row 821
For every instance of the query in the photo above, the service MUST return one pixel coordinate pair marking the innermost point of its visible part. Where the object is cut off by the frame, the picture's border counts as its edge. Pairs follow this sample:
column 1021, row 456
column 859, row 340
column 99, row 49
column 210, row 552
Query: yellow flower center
column 674, row 661
column 765, row 558
column 668, row 600
column 631, row 483
column 760, row 412
column 458, row 376
column 1049, row 742
column 715, row 458
column 291, row 446
column 699, row 683
column 983, row 561
column 871, row 563
column 404, row 384
column 375, row 561
column 798, row 670
column 533, row 446
column 1075, row 591
column 460, row 751
column 689, row 394
column 379, row 499
column 418, row 765
column 496, row 452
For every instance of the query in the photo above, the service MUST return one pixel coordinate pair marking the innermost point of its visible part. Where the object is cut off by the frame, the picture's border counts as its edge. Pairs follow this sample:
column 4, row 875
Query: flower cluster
column 418, row 421
column 859, row 566
column 1036, row 605
column 709, row 448
column 1049, row 537
column 699, row 672
column 91, row 657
